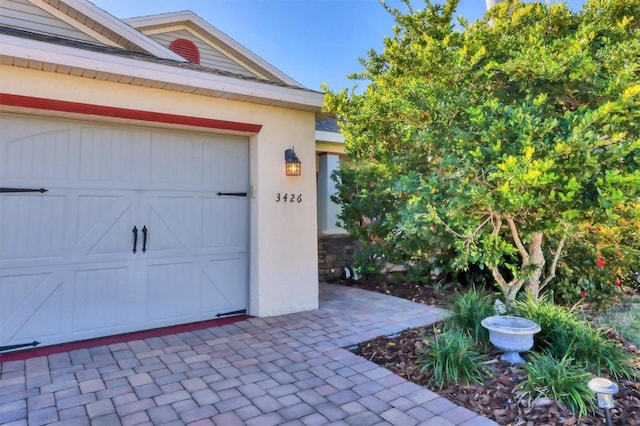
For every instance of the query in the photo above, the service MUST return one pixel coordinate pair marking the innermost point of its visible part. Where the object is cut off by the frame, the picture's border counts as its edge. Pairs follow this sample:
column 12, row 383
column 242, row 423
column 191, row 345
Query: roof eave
column 122, row 29
column 24, row 52
column 329, row 137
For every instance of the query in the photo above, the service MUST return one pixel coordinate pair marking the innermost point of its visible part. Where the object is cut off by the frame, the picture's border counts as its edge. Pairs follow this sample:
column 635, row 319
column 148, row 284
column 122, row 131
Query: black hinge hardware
column 232, row 313
column 232, row 194
column 23, row 345
column 41, row 190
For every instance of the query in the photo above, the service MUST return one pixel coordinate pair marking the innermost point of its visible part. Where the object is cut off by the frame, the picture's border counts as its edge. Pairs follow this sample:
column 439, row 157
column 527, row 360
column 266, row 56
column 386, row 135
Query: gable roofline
column 230, row 47
column 116, row 26
column 112, row 64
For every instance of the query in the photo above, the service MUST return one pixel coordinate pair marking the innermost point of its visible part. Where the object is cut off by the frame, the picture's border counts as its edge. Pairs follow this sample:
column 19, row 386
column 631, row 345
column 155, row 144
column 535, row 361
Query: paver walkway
column 285, row 370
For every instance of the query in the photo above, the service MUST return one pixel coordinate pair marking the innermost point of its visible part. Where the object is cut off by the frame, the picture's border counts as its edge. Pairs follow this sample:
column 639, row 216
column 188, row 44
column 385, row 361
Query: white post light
column 605, row 389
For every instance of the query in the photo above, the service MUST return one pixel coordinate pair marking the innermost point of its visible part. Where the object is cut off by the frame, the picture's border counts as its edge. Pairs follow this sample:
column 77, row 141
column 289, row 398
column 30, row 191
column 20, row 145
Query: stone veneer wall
column 334, row 253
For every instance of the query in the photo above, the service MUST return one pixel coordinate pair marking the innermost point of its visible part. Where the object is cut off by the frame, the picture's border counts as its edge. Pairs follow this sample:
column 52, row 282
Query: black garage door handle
column 135, row 238
column 144, row 238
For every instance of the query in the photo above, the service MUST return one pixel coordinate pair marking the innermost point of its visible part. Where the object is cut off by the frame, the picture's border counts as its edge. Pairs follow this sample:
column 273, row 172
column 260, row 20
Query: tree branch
column 443, row 223
column 516, row 239
column 498, row 277
column 479, row 227
column 551, row 273
column 497, row 224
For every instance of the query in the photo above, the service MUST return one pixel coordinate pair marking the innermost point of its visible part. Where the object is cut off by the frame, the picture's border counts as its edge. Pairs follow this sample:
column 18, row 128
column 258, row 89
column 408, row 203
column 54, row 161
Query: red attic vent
column 186, row 49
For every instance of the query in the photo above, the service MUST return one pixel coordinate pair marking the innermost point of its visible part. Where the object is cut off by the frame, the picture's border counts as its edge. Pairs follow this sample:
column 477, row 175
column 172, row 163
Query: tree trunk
column 536, row 261
column 510, row 293
column 509, row 289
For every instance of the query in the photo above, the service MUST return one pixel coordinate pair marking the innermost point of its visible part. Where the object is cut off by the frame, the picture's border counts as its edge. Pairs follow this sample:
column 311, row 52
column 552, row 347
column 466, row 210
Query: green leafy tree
column 492, row 142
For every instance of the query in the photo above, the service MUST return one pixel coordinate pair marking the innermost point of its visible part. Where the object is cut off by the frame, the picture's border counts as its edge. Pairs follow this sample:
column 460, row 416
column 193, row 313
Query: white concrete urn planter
column 511, row 335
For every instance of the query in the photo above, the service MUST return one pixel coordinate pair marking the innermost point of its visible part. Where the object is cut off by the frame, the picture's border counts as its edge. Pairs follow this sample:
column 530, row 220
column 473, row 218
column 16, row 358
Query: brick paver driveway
column 291, row 369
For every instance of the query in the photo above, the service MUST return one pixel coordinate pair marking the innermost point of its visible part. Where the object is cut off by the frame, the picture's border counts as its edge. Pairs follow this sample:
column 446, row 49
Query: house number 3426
column 288, row 198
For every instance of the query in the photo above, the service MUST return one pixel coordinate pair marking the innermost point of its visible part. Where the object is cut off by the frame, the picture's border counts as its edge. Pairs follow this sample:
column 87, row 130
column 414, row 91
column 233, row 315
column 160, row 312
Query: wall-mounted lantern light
column 605, row 389
column 293, row 166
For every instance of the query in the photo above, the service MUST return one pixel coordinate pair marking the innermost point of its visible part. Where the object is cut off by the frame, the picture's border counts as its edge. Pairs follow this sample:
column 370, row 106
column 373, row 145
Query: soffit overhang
column 152, row 72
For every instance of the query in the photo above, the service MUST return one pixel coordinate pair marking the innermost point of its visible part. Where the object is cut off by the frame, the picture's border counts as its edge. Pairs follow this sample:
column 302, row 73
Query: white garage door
column 139, row 228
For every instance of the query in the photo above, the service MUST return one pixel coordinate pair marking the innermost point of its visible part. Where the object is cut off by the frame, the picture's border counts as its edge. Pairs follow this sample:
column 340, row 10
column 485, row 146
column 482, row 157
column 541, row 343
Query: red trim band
column 118, row 338
column 131, row 114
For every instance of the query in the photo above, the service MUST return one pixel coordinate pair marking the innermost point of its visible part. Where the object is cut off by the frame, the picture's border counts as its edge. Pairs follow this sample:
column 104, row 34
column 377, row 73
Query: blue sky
column 313, row 41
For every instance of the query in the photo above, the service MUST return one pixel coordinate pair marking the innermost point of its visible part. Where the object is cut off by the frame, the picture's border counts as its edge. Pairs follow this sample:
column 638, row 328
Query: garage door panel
column 220, row 279
column 26, row 232
column 226, row 165
column 172, row 223
column 15, row 290
column 171, row 292
column 105, row 225
column 199, row 162
column 101, row 300
column 109, row 156
column 35, row 309
column 44, row 156
column 47, row 323
column 177, row 159
column 222, row 223
column 164, row 238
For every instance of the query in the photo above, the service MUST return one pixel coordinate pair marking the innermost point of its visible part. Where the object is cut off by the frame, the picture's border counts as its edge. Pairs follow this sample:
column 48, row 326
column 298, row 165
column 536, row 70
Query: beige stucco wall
column 283, row 246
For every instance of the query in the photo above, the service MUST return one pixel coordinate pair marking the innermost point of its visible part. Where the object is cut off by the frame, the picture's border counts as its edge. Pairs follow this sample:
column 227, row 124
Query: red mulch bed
column 496, row 398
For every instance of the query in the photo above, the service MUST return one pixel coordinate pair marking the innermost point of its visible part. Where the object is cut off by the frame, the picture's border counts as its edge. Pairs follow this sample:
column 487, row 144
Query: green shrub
column 560, row 379
column 564, row 332
column 598, row 263
column 558, row 324
column 468, row 310
column 451, row 358
column 601, row 355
